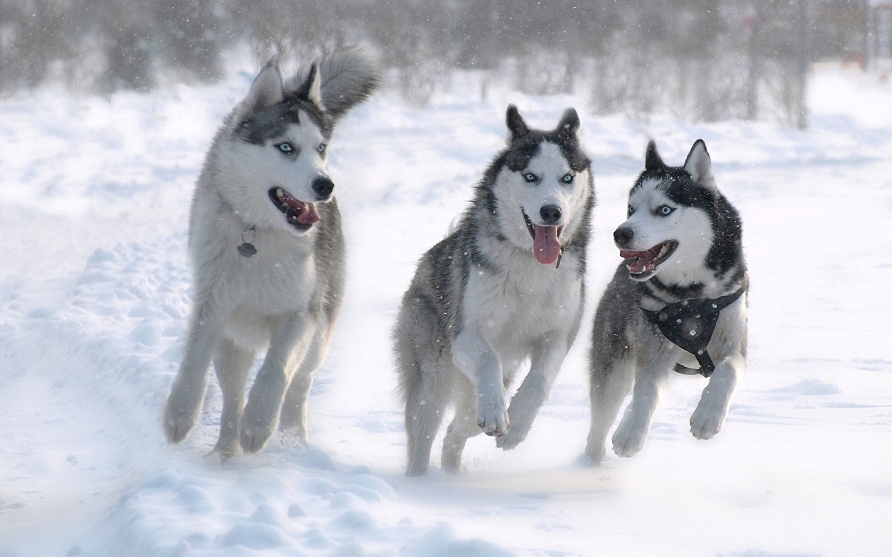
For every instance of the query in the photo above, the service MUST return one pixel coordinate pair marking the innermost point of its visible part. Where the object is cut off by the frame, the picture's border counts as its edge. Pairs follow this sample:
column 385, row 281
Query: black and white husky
column 506, row 285
column 678, row 302
column 267, row 253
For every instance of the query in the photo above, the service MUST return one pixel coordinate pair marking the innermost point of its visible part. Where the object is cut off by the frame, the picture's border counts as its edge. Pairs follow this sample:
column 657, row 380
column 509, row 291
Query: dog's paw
column 512, row 438
column 594, row 455
column 452, row 466
column 294, row 436
column 417, row 468
column 180, row 415
column 225, row 450
column 707, row 419
column 492, row 416
column 628, row 439
column 450, row 460
column 256, row 428
column 176, row 428
column 252, row 440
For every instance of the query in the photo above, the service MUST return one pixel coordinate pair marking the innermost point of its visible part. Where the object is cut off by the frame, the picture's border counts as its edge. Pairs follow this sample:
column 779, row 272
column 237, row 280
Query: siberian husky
column 506, row 285
column 267, row 253
column 678, row 302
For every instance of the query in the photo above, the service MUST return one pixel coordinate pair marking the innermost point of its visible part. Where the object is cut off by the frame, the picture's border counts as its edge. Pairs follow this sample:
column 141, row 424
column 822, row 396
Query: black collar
column 689, row 324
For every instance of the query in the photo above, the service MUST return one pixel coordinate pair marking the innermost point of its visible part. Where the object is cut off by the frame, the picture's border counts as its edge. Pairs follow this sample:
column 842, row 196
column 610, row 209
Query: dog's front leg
column 291, row 338
column 650, row 382
column 533, row 391
column 293, row 418
column 710, row 413
column 477, row 359
column 729, row 347
column 187, row 392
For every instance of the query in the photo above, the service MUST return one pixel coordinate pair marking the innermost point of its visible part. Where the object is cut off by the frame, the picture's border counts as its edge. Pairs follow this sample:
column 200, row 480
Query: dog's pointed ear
column 266, row 90
column 311, row 89
column 516, row 125
column 569, row 123
column 699, row 165
column 652, row 159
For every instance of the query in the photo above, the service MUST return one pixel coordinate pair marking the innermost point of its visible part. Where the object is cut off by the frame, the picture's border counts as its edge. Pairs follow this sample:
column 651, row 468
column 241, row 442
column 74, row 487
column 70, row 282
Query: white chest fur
column 523, row 303
column 247, row 293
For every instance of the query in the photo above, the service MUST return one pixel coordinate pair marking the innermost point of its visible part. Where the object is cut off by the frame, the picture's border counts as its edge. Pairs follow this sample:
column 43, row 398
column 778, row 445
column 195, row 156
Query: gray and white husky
column 678, row 302
column 506, row 285
column 267, row 253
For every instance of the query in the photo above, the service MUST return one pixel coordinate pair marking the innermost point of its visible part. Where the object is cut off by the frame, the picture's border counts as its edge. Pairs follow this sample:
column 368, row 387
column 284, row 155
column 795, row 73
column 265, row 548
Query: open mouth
column 643, row 264
column 299, row 214
column 546, row 240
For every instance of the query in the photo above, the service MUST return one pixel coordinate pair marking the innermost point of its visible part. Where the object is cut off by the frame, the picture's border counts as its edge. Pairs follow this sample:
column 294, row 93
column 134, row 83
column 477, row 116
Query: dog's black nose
column 623, row 235
column 323, row 187
column 551, row 214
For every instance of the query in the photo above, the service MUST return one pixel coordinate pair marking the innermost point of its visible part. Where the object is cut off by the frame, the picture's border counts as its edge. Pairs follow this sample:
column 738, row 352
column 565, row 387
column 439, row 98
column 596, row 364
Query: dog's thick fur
column 682, row 241
column 495, row 292
column 267, row 254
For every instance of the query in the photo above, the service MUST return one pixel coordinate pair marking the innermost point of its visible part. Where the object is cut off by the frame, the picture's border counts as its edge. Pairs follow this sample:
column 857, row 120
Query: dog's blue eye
column 664, row 210
column 285, row 147
column 630, row 210
column 568, row 178
column 530, row 177
column 321, row 148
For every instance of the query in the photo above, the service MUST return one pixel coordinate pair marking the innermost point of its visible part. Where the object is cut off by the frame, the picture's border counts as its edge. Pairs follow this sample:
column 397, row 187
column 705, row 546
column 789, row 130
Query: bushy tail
column 349, row 76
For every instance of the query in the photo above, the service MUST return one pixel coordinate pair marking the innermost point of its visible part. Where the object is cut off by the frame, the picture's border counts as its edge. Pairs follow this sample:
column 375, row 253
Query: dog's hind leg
column 187, row 392
column 463, row 426
column 232, row 364
column 293, row 419
column 610, row 383
column 423, row 367
column 425, row 405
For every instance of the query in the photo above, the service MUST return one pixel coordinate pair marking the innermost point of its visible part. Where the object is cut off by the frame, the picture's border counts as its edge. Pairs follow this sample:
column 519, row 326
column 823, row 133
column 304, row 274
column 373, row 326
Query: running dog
column 267, row 254
column 677, row 302
column 506, row 285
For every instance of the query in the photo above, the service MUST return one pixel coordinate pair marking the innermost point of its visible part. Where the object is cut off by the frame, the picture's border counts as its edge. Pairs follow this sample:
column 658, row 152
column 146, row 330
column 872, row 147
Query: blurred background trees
column 698, row 59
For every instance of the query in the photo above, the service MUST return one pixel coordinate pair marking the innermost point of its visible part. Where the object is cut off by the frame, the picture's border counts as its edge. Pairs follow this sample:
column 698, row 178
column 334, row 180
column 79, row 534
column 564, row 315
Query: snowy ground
column 94, row 290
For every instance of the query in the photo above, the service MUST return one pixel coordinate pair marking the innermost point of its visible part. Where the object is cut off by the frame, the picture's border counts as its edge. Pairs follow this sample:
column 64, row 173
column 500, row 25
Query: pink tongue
column 308, row 215
column 546, row 246
column 638, row 261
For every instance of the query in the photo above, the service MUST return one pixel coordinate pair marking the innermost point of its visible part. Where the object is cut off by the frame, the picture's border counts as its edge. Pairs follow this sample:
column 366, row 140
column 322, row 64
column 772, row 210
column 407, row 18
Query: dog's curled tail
column 349, row 76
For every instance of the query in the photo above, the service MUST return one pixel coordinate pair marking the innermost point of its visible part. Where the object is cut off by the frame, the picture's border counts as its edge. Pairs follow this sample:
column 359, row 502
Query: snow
column 94, row 198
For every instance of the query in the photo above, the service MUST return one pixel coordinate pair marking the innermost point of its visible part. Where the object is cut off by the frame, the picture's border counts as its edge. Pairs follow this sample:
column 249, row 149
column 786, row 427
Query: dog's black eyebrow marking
column 575, row 156
column 690, row 194
column 519, row 158
column 528, row 146
column 258, row 128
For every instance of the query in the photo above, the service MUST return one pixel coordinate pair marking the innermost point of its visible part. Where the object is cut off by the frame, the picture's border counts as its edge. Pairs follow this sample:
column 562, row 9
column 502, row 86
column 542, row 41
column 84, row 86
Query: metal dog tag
column 246, row 250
